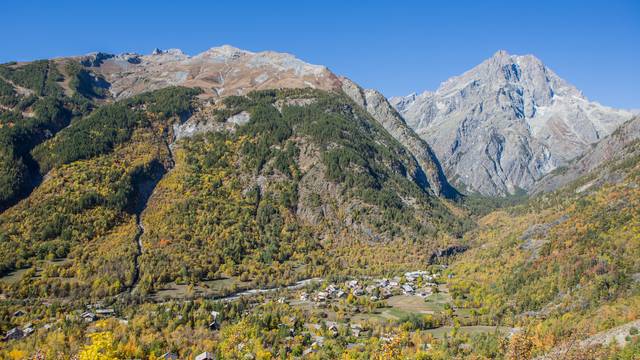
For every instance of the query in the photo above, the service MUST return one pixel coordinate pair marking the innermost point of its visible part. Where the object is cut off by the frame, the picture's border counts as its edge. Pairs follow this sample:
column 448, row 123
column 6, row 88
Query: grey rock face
column 506, row 123
column 613, row 147
column 380, row 109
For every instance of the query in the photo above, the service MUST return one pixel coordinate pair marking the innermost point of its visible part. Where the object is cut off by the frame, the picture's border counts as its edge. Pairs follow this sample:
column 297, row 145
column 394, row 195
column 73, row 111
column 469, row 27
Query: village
column 350, row 309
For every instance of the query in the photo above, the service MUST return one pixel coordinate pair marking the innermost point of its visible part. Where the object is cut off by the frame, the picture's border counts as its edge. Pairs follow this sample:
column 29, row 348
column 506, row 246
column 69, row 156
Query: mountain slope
column 610, row 148
column 187, row 185
column 378, row 106
column 219, row 71
column 563, row 265
column 504, row 124
column 227, row 71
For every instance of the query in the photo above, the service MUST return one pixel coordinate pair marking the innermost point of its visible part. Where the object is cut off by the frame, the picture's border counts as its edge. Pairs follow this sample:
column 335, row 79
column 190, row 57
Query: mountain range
column 267, row 207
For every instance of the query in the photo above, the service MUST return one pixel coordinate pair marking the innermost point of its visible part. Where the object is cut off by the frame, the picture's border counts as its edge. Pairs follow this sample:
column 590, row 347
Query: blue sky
column 397, row 47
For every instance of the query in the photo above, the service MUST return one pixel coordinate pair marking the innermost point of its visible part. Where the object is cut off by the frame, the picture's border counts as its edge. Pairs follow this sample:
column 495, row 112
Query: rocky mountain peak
column 505, row 123
column 219, row 71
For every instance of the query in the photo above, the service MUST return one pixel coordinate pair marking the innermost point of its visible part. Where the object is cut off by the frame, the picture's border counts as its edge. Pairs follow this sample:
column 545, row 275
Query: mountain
column 226, row 70
column 219, row 71
column 562, row 264
column 612, row 147
column 172, row 169
column 378, row 106
column 503, row 125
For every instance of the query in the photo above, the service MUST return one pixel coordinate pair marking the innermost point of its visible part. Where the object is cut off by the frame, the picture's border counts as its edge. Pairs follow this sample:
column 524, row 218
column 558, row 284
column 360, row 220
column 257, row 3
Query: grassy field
column 219, row 287
column 413, row 304
column 477, row 329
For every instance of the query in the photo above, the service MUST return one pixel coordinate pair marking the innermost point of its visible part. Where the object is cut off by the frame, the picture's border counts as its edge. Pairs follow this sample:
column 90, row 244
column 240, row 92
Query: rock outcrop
column 614, row 147
column 219, row 71
column 380, row 109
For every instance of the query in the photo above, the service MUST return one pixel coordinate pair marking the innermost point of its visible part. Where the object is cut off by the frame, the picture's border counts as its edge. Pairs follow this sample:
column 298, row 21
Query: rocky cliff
column 503, row 125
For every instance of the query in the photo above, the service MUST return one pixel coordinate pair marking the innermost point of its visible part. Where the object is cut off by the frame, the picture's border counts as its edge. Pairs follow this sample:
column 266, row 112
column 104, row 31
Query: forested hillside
column 283, row 196
column 288, row 195
column 563, row 265
column 75, row 232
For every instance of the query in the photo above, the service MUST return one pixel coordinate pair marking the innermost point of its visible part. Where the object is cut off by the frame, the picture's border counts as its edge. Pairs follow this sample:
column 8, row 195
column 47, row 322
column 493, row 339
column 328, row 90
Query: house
column 356, row 330
column 352, row 284
column 88, row 316
column 14, row 334
column 340, row 294
column 105, row 312
column 332, row 327
column 214, row 315
column 28, row 330
column 321, row 296
column 370, row 289
column 318, row 342
column 169, row 356
column 385, row 293
column 19, row 313
column 407, row 289
column 304, row 296
column 358, row 292
column 384, row 283
column 214, row 325
column 205, row 356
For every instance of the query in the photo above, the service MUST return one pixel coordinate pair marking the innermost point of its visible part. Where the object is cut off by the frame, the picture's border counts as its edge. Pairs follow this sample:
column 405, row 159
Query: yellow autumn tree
column 101, row 347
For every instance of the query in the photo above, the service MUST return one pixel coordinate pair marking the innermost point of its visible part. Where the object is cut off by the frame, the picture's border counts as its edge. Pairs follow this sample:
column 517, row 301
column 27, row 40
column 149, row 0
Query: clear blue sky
column 397, row 47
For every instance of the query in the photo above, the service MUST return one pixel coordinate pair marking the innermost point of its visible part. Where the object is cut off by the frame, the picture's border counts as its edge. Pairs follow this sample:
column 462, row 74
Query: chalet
column 407, row 289
column 321, row 296
column 14, row 334
column 169, row 356
column 105, row 312
column 205, row 356
column 385, row 293
column 88, row 316
column 318, row 342
column 356, row 330
column 28, row 330
column 332, row 327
